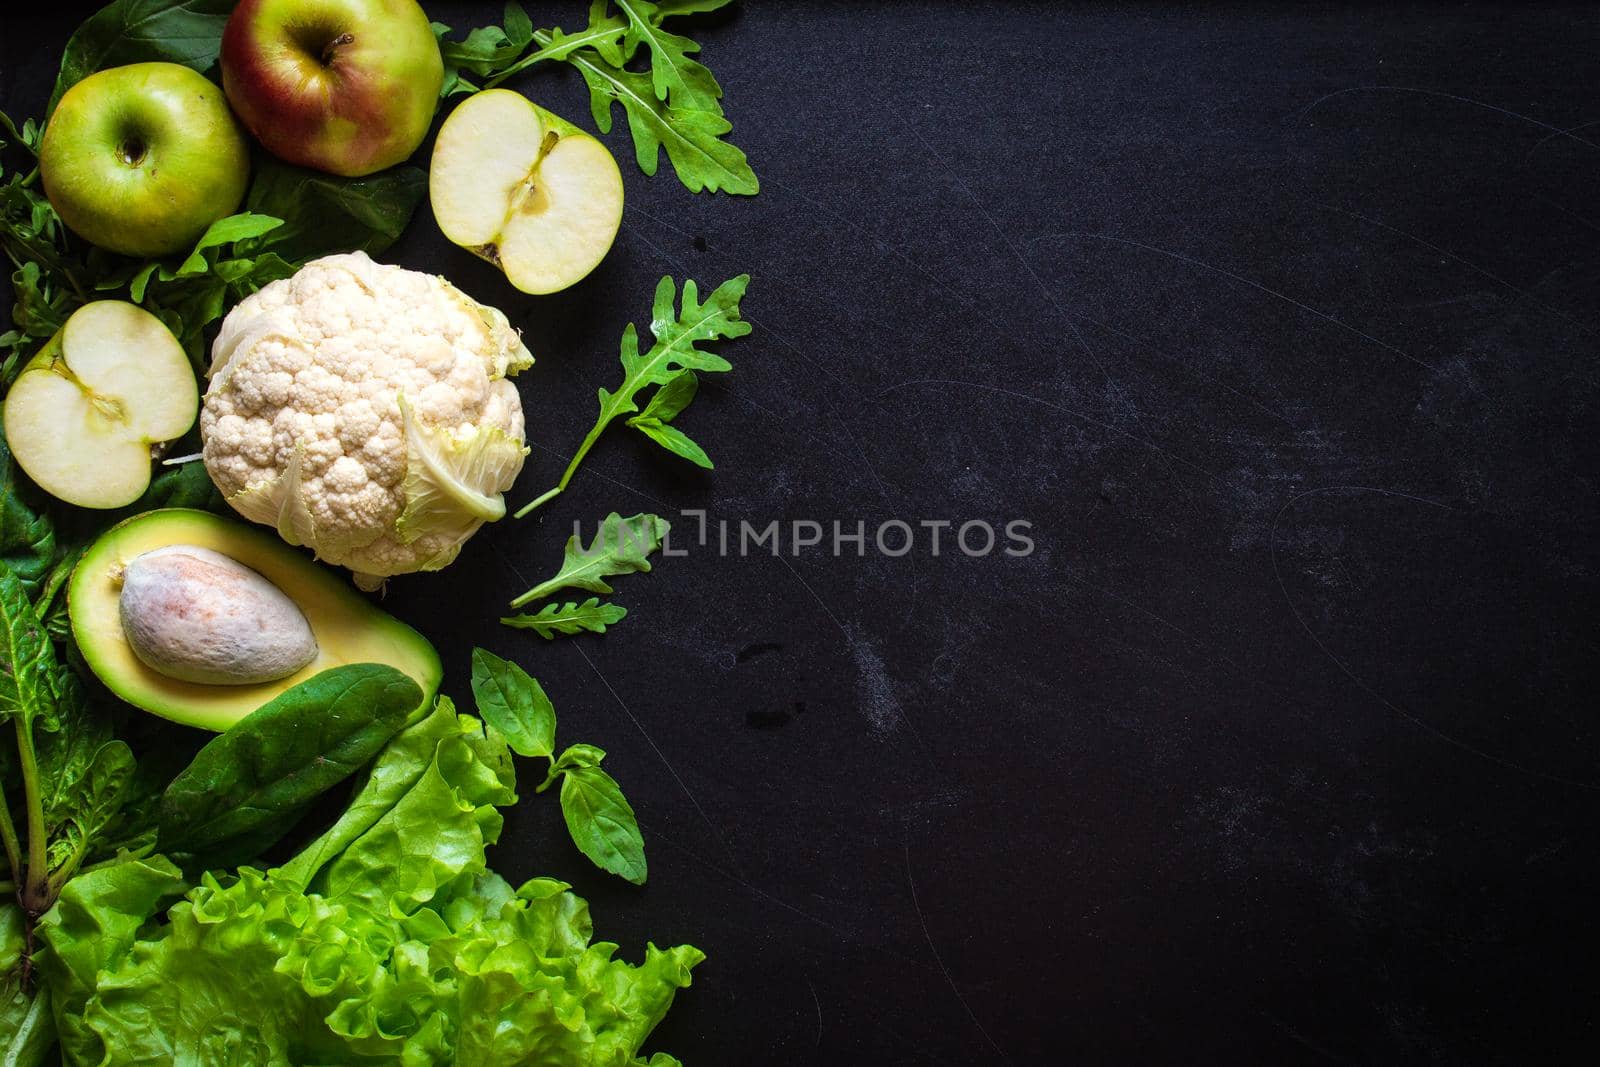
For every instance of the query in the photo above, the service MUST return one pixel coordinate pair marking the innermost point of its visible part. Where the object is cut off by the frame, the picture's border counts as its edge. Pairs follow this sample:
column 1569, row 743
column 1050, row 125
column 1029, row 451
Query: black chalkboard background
column 1279, row 325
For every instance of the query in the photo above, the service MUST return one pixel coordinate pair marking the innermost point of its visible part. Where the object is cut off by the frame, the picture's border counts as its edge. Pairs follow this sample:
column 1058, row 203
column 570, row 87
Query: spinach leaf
column 389, row 780
column 555, row 619
column 602, row 823
column 621, row 546
column 27, row 538
column 323, row 214
column 28, row 666
column 136, row 31
column 514, row 704
column 249, row 783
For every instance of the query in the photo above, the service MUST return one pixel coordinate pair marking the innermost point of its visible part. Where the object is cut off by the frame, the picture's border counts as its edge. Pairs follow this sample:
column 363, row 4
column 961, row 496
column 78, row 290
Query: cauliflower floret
column 362, row 409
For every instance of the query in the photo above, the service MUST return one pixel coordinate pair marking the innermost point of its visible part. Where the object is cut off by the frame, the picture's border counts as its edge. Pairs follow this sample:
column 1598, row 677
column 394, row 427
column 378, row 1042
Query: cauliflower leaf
column 280, row 503
column 455, row 477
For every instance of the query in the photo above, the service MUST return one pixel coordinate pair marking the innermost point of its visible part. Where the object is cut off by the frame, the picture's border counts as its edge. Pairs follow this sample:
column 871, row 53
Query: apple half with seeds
column 524, row 189
column 87, row 414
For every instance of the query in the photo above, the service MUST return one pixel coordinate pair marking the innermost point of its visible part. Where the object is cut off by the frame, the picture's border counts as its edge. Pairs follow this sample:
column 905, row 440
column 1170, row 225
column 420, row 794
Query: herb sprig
column 598, row 816
column 675, row 104
column 669, row 363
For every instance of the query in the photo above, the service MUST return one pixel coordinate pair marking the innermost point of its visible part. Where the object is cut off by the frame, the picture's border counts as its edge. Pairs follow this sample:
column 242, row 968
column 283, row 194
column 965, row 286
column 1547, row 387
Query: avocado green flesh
column 348, row 629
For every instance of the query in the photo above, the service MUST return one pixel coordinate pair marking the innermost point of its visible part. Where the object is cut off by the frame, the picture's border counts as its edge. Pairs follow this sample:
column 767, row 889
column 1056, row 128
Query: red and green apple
column 345, row 86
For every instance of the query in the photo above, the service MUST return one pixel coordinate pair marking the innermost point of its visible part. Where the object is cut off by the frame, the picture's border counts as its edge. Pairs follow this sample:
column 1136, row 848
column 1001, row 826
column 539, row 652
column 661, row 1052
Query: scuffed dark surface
column 1281, row 327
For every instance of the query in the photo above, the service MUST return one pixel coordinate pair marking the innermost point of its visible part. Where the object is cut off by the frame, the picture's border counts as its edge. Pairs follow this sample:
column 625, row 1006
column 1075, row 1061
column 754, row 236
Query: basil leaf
column 251, row 782
column 137, row 31
column 602, row 824
column 514, row 704
column 579, row 755
column 224, row 231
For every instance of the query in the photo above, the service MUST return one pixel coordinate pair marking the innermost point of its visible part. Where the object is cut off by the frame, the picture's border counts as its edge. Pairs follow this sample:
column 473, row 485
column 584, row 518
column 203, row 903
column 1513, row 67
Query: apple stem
column 333, row 47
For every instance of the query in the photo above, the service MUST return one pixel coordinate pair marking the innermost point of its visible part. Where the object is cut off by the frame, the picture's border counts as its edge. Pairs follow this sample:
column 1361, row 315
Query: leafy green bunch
column 73, row 794
column 673, row 103
column 386, row 939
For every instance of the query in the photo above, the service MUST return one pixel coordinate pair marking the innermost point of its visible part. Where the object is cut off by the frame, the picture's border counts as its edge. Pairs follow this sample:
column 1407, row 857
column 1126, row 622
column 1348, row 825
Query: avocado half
column 348, row 629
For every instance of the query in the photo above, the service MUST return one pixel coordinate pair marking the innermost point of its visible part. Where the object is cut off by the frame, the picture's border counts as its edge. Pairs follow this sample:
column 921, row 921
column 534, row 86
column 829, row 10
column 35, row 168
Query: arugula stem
column 566, row 476
column 550, row 50
column 36, row 883
column 538, row 592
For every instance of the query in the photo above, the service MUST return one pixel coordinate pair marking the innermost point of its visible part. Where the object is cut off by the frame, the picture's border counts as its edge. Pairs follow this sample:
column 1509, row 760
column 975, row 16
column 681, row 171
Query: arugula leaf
column 137, row 31
column 514, row 704
column 692, row 136
column 555, row 619
column 673, row 74
column 678, row 335
column 664, row 406
column 675, row 104
column 602, row 823
column 488, row 48
column 620, row 546
column 249, row 784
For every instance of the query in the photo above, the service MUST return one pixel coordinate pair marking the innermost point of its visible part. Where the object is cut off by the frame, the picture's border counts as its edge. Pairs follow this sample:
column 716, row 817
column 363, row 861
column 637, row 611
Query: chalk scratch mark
column 1091, row 420
column 1044, row 291
column 951, row 982
column 637, row 725
column 1242, row 280
column 1416, row 721
column 1555, row 131
column 1525, row 294
column 761, row 894
column 818, row 1003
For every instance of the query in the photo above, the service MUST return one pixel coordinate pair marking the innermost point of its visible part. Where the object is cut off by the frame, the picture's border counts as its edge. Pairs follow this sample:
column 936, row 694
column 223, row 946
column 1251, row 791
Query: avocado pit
column 196, row 615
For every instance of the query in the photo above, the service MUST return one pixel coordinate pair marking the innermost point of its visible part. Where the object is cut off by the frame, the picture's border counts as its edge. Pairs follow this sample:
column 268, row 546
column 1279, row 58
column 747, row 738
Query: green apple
column 346, row 86
column 526, row 190
column 85, row 415
column 141, row 159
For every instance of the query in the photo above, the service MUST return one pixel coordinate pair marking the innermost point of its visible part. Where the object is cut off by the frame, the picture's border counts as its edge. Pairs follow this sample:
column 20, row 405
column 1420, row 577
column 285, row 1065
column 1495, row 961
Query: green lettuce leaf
column 27, row 1029
column 387, row 940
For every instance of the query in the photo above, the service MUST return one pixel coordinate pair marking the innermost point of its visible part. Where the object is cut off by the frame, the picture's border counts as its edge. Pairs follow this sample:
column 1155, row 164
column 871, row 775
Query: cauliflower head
column 364, row 411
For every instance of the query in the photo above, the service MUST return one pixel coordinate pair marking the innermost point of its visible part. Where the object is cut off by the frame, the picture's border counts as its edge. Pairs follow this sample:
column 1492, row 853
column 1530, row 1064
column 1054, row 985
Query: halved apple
column 526, row 190
column 85, row 413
